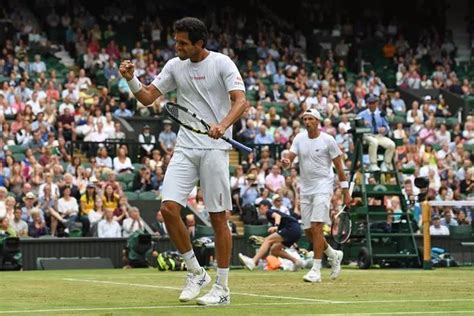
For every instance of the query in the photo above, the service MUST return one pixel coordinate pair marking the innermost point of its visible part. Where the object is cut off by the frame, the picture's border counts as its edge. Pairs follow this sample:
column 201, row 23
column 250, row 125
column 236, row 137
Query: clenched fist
column 216, row 131
column 285, row 163
column 127, row 69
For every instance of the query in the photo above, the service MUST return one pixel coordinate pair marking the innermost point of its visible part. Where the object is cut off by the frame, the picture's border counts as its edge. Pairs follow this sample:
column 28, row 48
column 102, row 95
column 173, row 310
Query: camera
column 422, row 183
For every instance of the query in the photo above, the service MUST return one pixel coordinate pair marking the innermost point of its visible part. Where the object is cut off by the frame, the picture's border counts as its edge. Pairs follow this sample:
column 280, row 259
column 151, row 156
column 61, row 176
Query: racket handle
column 351, row 188
column 238, row 145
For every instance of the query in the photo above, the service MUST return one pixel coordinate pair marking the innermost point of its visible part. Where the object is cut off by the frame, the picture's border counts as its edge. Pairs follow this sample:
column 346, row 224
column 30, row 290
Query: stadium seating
column 131, row 196
column 17, row 149
column 257, row 230
column 460, row 232
column 125, row 177
column 147, row 196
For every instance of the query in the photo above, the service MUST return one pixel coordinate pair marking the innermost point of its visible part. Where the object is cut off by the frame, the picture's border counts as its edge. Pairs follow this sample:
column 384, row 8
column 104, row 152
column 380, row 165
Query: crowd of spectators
column 428, row 63
column 48, row 186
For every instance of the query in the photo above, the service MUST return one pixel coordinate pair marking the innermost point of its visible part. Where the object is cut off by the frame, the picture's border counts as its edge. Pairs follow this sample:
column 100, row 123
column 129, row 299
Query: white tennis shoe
column 247, row 261
column 194, row 284
column 218, row 295
column 313, row 276
column 336, row 264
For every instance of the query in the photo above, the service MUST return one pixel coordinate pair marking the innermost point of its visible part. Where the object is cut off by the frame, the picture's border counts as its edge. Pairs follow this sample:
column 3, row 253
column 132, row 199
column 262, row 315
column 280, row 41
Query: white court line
column 93, row 309
column 179, row 289
column 410, row 301
column 96, row 309
column 282, row 297
column 471, row 312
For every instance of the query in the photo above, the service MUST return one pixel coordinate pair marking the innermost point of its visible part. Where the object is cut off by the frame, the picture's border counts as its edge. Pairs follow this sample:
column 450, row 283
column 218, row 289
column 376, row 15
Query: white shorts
column 315, row 209
column 209, row 166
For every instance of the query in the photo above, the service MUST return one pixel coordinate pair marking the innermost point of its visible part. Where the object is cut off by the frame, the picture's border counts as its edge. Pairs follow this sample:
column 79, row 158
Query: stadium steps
column 234, row 158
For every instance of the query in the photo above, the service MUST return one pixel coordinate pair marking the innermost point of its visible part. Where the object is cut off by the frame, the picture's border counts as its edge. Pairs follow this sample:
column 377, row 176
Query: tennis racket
column 191, row 121
column 341, row 225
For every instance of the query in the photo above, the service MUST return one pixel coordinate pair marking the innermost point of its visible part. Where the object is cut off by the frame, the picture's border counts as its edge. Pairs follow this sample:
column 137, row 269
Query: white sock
column 222, row 277
column 191, row 262
column 331, row 253
column 317, row 264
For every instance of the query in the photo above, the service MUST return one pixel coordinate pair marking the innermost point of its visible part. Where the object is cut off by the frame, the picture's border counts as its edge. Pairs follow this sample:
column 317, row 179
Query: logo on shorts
column 220, row 199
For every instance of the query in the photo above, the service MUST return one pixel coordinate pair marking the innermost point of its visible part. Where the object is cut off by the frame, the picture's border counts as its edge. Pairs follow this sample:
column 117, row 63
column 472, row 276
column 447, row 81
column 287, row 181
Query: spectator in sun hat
column 30, row 201
column 277, row 201
column 167, row 137
column 249, row 192
column 147, row 141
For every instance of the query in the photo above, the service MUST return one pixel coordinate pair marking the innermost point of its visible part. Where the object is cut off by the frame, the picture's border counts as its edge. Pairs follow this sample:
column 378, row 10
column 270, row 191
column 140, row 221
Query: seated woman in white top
column 67, row 205
column 103, row 159
column 122, row 163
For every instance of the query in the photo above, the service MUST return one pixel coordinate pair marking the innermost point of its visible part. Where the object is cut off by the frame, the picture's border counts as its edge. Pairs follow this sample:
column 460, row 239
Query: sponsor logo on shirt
column 238, row 81
column 198, row 77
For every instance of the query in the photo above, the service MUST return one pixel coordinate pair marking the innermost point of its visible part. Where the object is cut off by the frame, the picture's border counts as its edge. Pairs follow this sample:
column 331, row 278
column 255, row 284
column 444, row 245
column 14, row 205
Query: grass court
column 150, row 292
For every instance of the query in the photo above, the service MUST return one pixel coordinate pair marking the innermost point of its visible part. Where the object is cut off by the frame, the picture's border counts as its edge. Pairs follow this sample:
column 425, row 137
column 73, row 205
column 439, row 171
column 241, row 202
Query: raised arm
column 145, row 94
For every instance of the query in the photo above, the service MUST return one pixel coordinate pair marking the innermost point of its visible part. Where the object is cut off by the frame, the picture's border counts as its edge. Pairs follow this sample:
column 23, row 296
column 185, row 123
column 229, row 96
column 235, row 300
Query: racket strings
column 342, row 227
column 186, row 118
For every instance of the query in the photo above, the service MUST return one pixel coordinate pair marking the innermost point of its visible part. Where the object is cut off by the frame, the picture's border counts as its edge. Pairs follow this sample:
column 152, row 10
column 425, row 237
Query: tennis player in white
column 316, row 152
column 210, row 85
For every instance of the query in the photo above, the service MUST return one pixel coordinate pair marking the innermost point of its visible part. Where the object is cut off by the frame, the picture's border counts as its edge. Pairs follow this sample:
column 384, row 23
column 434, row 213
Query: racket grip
column 238, row 145
column 351, row 188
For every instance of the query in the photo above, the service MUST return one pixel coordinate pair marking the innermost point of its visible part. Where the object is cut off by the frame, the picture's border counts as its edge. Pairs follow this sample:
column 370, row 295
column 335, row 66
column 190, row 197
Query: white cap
column 313, row 112
column 428, row 98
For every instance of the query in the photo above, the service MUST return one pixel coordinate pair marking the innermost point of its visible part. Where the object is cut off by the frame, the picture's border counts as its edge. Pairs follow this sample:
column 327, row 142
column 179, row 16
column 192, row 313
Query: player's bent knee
column 276, row 248
column 170, row 209
column 317, row 226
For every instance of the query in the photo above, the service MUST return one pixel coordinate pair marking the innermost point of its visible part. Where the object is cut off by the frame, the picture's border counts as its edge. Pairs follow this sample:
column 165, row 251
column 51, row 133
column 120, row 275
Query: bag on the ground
column 441, row 258
column 170, row 261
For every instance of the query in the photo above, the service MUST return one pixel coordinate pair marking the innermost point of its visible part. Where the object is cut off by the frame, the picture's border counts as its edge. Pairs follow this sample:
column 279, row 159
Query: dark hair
column 195, row 28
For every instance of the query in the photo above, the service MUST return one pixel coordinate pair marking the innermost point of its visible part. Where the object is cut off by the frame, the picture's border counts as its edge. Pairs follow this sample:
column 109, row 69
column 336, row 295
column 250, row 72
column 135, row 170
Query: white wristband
column 135, row 85
column 344, row 184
